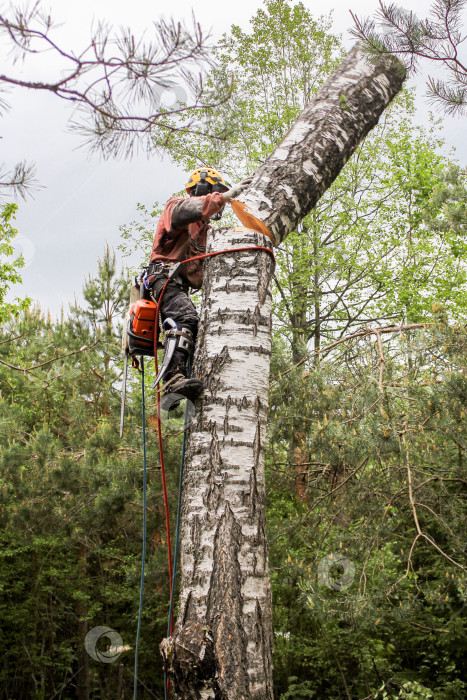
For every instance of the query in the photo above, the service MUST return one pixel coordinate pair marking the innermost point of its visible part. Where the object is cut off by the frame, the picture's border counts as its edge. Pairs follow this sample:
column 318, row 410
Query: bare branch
column 362, row 333
column 49, row 362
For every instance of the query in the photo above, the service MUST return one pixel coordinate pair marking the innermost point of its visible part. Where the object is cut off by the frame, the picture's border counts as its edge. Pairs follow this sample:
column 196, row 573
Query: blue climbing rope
column 177, row 538
column 143, row 557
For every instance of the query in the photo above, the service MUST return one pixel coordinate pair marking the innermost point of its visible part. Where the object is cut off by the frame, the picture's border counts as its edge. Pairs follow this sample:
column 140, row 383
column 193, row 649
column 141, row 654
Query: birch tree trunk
column 222, row 647
column 312, row 154
column 222, row 644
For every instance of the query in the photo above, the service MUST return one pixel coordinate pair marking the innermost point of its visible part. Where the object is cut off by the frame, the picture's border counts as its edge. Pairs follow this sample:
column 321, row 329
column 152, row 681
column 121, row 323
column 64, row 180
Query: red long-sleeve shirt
column 182, row 230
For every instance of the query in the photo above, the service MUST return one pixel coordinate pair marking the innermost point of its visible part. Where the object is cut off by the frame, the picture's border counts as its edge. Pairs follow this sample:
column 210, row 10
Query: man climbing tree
column 222, row 645
column 181, row 234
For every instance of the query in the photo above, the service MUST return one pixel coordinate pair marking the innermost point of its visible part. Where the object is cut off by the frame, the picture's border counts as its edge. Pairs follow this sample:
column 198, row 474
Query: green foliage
column 71, row 502
column 366, row 440
column 138, row 235
column 378, row 459
column 385, row 245
column 376, row 248
column 277, row 67
column 9, row 269
column 106, row 295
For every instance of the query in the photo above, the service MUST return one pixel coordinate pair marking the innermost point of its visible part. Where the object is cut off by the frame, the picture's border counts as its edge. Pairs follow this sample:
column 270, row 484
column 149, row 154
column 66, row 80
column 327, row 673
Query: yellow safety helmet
column 206, row 175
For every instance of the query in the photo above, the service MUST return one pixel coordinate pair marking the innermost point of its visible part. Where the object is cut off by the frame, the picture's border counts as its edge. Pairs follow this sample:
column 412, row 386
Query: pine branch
column 54, row 359
column 436, row 38
column 117, row 81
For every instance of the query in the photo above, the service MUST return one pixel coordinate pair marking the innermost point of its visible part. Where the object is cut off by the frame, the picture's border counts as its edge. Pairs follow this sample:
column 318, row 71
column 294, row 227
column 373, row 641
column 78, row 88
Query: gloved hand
column 237, row 189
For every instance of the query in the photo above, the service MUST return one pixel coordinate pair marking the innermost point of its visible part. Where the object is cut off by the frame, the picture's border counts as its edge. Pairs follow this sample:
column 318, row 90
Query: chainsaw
column 139, row 327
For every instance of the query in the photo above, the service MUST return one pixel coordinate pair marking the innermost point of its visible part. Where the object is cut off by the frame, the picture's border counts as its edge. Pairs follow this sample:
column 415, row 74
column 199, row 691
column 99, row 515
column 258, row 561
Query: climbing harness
column 139, row 333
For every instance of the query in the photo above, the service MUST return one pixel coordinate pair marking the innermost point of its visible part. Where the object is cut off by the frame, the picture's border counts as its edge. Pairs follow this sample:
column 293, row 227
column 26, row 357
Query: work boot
column 178, row 385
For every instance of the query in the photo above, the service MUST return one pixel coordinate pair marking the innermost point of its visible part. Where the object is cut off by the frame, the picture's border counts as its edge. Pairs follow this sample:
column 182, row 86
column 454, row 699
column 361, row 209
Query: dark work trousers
column 176, row 305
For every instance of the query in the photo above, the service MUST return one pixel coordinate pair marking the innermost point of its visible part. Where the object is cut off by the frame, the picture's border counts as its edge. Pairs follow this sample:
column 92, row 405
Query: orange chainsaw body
column 143, row 316
column 142, row 326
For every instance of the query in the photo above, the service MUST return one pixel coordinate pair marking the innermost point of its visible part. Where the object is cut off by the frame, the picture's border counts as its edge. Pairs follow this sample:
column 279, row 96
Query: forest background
column 367, row 429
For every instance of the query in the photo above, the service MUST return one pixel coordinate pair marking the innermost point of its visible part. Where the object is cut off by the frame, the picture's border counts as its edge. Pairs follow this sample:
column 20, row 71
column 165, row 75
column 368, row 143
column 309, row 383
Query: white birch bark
column 312, row 154
column 225, row 591
column 222, row 646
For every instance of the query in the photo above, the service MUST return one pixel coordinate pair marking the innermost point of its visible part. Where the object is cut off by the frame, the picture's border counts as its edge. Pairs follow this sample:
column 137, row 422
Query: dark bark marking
column 241, row 404
column 241, row 288
column 258, row 350
column 238, row 267
column 255, row 498
column 244, row 318
column 263, row 645
column 187, row 611
column 231, row 428
column 253, row 492
column 228, row 403
column 236, row 443
column 189, row 657
column 222, row 314
column 264, row 540
column 214, row 493
column 195, row 537
column 265, row 270
column 225, row 610
column 212, row 376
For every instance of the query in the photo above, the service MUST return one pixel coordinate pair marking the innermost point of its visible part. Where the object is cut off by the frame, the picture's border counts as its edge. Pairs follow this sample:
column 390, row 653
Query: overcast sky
column 84, row 200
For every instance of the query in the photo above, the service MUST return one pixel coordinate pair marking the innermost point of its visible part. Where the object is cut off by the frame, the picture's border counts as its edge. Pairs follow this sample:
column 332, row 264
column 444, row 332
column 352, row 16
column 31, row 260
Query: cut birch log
column 222, row 644
column 312, row 154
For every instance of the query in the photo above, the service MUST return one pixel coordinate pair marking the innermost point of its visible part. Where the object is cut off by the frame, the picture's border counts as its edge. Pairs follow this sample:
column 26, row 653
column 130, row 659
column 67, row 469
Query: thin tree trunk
column 299, row 301
column 222, row 645
column 317, row 296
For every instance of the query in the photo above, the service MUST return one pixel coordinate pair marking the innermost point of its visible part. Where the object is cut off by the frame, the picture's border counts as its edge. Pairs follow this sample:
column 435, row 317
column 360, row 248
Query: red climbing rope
column 161, row 449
